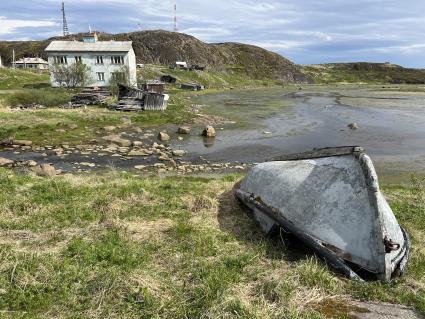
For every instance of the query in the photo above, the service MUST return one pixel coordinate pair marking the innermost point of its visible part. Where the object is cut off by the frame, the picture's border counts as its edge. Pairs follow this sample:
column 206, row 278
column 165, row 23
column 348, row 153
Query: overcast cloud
column 306, row 31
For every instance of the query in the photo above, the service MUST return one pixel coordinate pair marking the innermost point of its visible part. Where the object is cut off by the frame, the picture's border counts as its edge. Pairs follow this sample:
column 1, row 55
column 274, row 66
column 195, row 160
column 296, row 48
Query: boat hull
column 335, row 202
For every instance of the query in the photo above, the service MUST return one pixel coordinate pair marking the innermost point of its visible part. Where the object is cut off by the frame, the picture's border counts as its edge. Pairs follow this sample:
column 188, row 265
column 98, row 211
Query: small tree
column 71, row 75
column 121, row 76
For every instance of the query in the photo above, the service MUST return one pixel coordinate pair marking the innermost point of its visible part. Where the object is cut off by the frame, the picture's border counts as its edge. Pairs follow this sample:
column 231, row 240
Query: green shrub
column 51, row 97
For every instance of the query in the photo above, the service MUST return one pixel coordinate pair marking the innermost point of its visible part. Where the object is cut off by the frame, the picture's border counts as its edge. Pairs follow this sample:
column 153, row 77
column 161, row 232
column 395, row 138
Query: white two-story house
column 106, row 59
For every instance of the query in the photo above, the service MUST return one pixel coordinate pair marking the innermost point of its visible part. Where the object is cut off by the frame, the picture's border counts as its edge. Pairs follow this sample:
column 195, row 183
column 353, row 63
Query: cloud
column 9, row 26
column 307, row 31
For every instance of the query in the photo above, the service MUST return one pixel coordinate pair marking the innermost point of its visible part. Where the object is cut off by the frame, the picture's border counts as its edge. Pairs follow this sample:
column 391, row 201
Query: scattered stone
column 126, row 120
column 267, row 132
column 87, row 164
column 117, row 140
column 109, row 128
column 159, row 165
column 22, row 142
column 141, row 152
column 184, row 130
column 5, row 162
column 137, row 143
column 353, row 126
column 6, row 142
column 162, row 136
column 180, row 138
column 140, row 167
column 179, row 152
column 71, row 126
column 46, row 170
column 209, row 131
column 31, row 163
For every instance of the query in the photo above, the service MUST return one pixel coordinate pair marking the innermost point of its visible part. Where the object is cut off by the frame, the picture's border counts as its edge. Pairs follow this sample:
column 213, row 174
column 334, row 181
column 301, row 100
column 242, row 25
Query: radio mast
column 175, row 15
column 64, row 23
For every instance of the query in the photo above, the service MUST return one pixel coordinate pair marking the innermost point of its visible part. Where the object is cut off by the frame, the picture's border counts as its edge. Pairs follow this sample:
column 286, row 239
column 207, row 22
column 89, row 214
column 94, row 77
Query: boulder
column 162, row 136
column 140, row 167
column 5, row 162
column 209, row 131
column 116, row 139
column 47, row 170
column 22, row 142
column 179, row 152
column 184, row 130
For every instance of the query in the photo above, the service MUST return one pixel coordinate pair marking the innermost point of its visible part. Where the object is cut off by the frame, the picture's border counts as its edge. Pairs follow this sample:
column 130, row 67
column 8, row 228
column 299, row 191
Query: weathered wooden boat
column 330, row 199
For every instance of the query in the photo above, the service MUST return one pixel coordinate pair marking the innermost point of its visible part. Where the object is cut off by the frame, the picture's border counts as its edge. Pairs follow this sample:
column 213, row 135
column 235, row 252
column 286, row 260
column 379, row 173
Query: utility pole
column 64, row 23
column 175, row 15
column 13, row 58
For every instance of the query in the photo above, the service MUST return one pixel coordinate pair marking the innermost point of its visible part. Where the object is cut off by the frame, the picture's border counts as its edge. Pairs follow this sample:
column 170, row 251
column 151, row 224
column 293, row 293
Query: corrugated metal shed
column 101, row 46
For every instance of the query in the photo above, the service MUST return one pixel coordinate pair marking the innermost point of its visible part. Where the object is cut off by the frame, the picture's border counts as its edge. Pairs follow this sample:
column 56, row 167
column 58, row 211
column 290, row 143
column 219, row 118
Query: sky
column 305, row 31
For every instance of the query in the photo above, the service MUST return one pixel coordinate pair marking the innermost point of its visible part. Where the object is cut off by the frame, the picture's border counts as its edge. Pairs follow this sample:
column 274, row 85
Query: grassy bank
column 120, row 246
column 363, row 72
column 11, row 79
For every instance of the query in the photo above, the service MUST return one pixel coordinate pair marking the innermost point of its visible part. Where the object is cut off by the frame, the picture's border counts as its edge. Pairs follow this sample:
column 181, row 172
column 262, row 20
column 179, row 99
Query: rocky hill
column 364, row 72
column 163, row 47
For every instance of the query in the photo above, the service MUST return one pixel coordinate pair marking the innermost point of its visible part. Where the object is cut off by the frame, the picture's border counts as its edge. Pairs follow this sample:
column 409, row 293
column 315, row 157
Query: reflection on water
column 209, row 141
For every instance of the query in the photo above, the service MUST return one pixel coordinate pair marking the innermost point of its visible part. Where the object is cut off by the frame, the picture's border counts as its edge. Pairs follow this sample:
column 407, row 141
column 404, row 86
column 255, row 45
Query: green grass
column 52, row 126
column 211, row 79
column 118, row 245
column 11, row 79
column 46, row 97
column 362, row 72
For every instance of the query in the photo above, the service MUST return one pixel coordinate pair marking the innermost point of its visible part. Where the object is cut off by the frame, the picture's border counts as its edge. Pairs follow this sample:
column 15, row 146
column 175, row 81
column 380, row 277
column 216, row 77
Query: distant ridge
column 163, row 47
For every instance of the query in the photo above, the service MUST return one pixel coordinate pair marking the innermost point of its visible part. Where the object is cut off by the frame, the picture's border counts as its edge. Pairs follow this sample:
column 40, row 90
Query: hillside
column 364, row 72
column 163, row 47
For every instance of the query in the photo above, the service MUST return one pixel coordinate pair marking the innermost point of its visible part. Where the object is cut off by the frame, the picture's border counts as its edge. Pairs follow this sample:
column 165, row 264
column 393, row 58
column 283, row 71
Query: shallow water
column 274, row 121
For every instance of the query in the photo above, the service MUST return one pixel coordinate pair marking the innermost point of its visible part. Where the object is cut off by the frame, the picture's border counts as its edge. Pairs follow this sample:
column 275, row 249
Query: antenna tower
column 175, row 15
column 65, row 24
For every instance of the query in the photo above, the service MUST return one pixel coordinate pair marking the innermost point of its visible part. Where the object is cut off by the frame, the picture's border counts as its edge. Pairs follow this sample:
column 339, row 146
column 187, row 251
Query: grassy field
column 210, row 79
column 115, row 245
column 362, row 72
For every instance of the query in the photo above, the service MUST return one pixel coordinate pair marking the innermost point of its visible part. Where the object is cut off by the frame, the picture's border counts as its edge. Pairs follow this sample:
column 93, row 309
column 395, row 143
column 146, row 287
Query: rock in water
column 353, row 126
column 116, row 139
column 179, row 153
column 184, row 130
column 209, row 131
column 162, row 136
column 5, row 162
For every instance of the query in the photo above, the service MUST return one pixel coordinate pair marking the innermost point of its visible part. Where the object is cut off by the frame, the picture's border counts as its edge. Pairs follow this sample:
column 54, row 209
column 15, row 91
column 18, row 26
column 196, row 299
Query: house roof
column 100, row 46
column 31, row 61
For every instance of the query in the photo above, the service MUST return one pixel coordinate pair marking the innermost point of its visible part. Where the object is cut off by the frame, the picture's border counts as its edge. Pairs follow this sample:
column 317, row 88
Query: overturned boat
column 330, row 199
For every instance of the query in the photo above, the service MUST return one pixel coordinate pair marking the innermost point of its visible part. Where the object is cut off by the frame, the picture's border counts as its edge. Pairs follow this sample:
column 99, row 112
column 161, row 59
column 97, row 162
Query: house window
column 101, row 76
column 99, row 59
column 118, row 76
column 60, row 59
column 78, row 59
column 117, row 59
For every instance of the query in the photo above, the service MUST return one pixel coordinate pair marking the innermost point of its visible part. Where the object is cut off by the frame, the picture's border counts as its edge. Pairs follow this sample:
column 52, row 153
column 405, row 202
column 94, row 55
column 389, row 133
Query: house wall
column 90, row 59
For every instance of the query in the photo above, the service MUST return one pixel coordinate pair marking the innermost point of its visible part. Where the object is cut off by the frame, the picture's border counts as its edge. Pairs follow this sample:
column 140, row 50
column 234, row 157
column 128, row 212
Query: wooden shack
column 154, row 87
